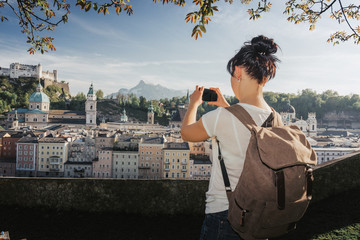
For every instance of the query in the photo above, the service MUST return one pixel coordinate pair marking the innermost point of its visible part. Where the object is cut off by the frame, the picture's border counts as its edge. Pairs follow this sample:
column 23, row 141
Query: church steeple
column 187, row 101
column 39, row 87
column 91, row 89
column 90, row 107
column 151, row 114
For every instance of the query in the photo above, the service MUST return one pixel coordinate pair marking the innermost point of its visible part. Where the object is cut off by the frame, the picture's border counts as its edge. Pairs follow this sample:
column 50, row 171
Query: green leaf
column 203, row 29
column 95, row 6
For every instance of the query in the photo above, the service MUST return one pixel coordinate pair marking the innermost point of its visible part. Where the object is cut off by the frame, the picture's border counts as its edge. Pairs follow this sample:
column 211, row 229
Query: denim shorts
column 217, row 227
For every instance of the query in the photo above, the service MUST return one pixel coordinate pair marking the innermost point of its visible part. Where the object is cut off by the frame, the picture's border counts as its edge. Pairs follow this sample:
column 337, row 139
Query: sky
column 155, row 45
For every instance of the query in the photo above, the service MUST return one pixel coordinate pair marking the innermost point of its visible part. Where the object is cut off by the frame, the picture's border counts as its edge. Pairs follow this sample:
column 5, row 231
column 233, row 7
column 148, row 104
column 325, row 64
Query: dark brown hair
column 257, row 57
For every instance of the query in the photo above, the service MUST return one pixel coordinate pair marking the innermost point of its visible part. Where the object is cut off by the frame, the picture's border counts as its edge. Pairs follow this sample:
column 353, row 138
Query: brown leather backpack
column 274, row 188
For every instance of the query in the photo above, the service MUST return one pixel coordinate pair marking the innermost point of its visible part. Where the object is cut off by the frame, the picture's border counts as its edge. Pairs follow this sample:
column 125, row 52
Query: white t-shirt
column 234, row 139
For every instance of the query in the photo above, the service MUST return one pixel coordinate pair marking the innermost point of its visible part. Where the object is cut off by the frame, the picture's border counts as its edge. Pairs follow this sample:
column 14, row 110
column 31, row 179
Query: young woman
column 250, row 69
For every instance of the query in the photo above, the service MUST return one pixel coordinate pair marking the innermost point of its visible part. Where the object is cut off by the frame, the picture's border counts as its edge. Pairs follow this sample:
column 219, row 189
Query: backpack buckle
column 228, row 189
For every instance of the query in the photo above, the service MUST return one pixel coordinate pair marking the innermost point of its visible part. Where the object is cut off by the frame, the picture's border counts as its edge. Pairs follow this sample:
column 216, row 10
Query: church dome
column 39, row 97
column 289, row 108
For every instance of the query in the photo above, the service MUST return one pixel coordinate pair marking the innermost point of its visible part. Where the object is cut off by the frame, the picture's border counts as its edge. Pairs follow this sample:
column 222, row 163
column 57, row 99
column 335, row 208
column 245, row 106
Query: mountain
column 149, row 91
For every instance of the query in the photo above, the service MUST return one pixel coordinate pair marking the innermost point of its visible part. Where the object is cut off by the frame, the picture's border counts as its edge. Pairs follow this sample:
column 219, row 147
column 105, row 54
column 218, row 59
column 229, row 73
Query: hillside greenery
column 14, row 93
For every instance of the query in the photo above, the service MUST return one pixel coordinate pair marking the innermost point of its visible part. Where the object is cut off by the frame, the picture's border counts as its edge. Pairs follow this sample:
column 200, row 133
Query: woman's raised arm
column 192, row 130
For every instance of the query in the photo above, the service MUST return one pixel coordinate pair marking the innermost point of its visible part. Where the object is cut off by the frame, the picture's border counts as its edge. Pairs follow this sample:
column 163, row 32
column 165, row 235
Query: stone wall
column 150, row 197
column 61, row 85
column 336, row 176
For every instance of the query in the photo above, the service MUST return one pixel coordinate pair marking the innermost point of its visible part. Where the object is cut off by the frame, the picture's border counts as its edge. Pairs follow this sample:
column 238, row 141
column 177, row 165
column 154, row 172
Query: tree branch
column 330, row 5
column 342, row 9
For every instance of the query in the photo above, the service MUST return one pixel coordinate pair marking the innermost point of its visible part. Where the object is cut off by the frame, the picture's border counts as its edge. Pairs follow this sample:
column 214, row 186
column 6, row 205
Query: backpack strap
column 224, row 173
column 244, row 117
column 277, row 121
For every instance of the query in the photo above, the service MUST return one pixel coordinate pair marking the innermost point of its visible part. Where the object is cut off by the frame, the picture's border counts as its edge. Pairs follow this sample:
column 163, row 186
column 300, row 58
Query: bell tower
column 151, row 114
column 90, row 107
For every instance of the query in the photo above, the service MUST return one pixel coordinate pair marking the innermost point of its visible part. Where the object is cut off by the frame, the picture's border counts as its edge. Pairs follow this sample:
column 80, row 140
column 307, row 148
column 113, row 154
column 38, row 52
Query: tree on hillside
column 99, row 94
column 80, row 97
column 36, row 16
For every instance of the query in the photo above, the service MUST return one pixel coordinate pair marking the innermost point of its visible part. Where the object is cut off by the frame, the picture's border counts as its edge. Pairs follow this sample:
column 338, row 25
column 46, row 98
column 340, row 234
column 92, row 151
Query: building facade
column 125, row 164
column 200, row 168
column 327, row 154
column 27, row 157
column 176, row 160
column 151, row 158
column 79, row 164
column 104, row 140
column 78, row 169
column 53, row 154
column 102, row 166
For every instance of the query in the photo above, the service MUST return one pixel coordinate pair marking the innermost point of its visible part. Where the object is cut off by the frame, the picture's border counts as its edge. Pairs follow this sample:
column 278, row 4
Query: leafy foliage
column 304, row 102
column 35, row 16
column 13, row 96
column 99, row 94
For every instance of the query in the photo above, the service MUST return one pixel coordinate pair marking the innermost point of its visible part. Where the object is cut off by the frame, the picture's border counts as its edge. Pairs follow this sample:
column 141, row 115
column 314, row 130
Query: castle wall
column 17, row 70
column 61, row 85
column 4, row 71
column 22, row 70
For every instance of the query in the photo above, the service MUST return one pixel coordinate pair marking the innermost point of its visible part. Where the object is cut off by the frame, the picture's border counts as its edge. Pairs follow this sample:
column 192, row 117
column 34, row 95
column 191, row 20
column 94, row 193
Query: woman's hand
column 221, row 101
column 192, row 130
column 196, row 96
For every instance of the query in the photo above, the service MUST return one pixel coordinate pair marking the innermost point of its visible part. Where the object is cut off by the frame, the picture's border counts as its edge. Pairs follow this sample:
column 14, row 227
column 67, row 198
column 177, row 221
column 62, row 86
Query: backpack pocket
column 242, row 219
column 274, row 222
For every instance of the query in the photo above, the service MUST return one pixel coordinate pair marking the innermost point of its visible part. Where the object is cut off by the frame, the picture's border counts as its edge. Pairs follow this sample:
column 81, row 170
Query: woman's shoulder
column 252, row 108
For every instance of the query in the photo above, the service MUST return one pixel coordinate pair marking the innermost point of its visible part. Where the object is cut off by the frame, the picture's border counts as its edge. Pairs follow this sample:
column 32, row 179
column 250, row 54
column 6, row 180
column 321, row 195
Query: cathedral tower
column 90, row 107
column 151, row 114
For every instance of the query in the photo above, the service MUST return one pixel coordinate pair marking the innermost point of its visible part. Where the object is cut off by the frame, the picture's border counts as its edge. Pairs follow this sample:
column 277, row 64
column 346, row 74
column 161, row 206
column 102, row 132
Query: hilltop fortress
column 47, row 78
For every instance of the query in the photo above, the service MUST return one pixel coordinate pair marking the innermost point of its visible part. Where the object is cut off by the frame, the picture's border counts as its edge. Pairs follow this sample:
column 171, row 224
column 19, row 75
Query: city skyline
column 154, row 45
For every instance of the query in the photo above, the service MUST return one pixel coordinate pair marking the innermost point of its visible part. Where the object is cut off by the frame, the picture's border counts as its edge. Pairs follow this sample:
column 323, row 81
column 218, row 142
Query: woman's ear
column 238, row 73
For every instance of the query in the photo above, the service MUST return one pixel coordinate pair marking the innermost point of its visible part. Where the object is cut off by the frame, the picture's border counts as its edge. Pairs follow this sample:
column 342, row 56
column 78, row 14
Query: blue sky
column 154, row 45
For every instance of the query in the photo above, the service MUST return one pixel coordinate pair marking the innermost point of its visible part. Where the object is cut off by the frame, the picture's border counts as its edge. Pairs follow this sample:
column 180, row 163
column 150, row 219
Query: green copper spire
column 91, row 90
column 151, row 108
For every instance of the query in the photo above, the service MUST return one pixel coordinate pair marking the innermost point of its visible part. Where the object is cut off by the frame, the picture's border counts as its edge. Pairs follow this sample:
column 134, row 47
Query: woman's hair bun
column 264, row 45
